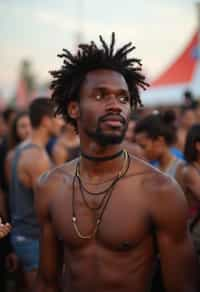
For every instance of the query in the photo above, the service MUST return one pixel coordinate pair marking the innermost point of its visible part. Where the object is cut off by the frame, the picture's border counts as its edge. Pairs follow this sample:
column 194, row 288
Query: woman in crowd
column 20, row 130
column 191, row 171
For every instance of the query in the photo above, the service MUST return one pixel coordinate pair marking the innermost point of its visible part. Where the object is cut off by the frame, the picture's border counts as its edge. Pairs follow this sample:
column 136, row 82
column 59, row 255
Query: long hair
column 13, row 137
column 193, row 136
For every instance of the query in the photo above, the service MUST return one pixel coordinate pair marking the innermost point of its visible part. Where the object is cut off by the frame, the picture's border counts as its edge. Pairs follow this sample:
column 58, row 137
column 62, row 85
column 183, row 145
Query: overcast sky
column 38, row 30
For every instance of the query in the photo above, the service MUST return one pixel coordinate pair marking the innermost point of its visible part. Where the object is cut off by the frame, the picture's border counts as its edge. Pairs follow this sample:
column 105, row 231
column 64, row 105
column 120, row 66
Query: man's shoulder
column 31, row 152
column 152, row 179
column 62, row 174
column 140, row 167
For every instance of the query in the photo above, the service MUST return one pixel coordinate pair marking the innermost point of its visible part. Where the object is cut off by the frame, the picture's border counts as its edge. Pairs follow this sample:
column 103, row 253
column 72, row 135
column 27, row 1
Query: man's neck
column 165, row 160
column 92, row 169
column 40, row 137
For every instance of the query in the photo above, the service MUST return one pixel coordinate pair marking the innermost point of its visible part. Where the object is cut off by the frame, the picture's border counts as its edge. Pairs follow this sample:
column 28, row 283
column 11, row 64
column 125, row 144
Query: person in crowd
column 57, row 132
column 19, row 132
column 191, row 170
column 29, row 161
column 187, row 119
column 67, row 146
column 101, row 213
column 155, row 136
column 191, row 181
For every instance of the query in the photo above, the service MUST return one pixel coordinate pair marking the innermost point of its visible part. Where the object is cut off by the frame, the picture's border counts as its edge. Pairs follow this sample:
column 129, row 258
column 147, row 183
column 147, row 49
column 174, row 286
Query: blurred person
column 129, row 136
column 57, row 127
column 29, row 161
column 3, row 128
column 189, row 100
column 197, row 112
column 20, row 131
column 8, row 259
column 191, row 181
column 8, row 116
column 191, row 171
column 155, row 136
column 4, row 229
column 170, row 118
column 129, row 142
column 67, row 146
column 100, row 214
column 187, row 119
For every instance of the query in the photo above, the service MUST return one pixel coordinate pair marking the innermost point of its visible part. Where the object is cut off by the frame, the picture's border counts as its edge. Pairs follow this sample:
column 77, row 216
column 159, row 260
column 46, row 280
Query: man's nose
column 112, row 103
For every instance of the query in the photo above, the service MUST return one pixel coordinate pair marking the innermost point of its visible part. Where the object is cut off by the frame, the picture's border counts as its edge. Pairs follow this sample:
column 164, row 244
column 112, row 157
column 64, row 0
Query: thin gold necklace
column 106, row 198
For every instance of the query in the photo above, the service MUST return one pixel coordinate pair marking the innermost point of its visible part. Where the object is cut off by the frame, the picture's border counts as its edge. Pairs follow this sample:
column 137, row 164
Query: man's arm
column 177, row 256
column 49, row 272
column 37, row 164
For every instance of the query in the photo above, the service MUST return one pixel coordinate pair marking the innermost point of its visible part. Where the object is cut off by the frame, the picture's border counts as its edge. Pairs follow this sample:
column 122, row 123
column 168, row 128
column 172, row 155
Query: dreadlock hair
column 67, row 81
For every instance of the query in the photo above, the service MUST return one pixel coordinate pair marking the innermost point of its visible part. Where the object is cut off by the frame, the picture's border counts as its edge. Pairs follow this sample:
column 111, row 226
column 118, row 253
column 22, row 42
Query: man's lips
column 114, row 121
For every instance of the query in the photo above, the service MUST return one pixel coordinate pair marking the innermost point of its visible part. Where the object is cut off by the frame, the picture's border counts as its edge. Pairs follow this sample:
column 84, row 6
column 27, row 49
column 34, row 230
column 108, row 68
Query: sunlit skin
column 121, row 256
column 4, row 229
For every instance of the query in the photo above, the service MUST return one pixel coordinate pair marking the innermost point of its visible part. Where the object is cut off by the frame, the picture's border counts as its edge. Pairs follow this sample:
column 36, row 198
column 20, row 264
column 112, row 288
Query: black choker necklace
column 101, row 159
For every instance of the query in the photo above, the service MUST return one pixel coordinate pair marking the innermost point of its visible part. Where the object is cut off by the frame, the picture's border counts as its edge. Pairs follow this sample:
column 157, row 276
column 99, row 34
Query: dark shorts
column 27, row 250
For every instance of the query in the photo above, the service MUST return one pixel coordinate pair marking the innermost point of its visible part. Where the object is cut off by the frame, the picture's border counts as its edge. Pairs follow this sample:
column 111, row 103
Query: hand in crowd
column 4, row 229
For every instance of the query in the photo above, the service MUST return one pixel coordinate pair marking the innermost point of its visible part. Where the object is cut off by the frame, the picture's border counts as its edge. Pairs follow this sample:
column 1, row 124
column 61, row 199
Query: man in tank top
column 30, row 160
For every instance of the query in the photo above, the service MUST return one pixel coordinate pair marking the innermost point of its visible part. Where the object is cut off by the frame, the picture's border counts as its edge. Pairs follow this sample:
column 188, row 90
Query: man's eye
column 98, row 97
column 124, row 99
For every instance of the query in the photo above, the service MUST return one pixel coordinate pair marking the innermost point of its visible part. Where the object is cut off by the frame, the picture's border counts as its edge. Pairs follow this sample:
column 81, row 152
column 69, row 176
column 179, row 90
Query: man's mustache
column 111, row 116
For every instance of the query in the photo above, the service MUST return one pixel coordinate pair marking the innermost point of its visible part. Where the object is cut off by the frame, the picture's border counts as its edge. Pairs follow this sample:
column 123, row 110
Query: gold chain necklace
column 108, row 193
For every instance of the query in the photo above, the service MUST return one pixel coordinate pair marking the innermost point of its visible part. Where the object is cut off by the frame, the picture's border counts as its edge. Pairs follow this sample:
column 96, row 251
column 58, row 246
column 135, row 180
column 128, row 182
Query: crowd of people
column 157, row 154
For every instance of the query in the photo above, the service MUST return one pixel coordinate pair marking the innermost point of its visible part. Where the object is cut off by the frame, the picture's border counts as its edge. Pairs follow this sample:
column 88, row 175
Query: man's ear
column 73, row 110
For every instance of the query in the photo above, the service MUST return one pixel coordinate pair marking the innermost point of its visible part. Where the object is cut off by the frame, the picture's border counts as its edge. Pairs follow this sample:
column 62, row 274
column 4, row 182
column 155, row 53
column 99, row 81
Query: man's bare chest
column 124, row 222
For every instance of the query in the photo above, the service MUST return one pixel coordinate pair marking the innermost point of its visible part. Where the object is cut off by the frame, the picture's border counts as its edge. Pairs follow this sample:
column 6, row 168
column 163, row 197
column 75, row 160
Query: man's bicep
column 178, row 260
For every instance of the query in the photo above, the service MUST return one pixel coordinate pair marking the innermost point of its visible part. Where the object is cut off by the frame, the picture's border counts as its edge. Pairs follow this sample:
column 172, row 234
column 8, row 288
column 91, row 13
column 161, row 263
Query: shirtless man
column 105, row 213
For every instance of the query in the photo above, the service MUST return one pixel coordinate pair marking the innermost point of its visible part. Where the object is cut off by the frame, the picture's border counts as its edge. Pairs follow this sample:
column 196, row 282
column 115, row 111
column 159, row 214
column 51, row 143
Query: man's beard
column 104, row 139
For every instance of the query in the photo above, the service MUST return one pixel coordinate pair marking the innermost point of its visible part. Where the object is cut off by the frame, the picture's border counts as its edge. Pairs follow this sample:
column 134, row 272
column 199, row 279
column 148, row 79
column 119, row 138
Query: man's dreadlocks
column 67, row 81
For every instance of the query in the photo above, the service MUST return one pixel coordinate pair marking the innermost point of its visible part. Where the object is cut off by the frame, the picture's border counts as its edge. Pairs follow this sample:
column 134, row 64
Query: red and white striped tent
column 183, row 74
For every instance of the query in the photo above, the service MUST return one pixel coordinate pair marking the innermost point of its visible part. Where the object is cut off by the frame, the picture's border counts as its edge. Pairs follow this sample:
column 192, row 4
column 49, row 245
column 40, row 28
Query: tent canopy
column 183, row 74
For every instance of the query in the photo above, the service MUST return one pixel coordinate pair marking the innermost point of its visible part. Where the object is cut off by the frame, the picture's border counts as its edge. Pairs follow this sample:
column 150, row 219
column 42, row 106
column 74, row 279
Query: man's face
column 152, row 148
column 104, row 107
